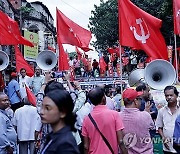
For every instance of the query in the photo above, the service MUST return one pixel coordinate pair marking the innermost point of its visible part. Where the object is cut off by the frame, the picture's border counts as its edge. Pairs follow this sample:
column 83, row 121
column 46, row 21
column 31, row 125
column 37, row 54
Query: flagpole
column 120, row 51
column 120, row 60
column 176, row 65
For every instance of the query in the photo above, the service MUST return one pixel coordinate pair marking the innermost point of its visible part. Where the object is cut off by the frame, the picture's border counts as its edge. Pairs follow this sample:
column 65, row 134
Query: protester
column 136, row 124
column 24, row 81
column 166, row 119
column 36, row 81
column 25, row 120
column 95, row 66
column 43, row 129
column 110, row 103
column 77, row 68
column 117, row 98
column 133, row 61
column 147, row 101
column 14, row 92
column 8, row 136
column 109, row 123
column 57, row 110
column 77, row 94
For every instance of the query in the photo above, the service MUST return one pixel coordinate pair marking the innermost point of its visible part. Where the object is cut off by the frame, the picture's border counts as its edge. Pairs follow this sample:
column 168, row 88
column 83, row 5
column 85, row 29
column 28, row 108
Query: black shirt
column 61, row 142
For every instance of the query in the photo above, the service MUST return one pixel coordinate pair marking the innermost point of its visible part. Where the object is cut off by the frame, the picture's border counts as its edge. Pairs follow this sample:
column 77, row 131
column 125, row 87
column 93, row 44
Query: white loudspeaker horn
column 46, row 60
column 136, row 77
column 4, row 60
column 159, row 74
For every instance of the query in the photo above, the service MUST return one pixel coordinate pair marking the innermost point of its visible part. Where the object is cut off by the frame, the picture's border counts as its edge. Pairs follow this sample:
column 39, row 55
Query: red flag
column 52, row 49
column 102, row 64
column 72, row 74
column 10, row 34
column 115, row 50
column 110, row 69
column 118, row 69
column 84, row 61
column 63, row 58
column 2, row 84
column 141, row 30
column 79, row 54
column 30, row 96
column 71, row 33
column 176, row 14
column 22, row 63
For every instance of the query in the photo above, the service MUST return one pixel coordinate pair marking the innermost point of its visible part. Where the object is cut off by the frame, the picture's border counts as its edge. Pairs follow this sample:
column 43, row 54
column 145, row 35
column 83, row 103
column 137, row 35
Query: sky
column 77, row 10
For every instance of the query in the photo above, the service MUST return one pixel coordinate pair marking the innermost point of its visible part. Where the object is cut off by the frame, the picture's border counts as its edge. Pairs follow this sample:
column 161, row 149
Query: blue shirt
column 152, row 109
column 176, row 135
column 8, row 136
column 13, row 87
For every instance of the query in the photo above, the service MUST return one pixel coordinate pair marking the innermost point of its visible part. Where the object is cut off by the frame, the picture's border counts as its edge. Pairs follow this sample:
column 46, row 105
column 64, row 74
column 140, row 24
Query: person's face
column 146, row 93
column 170, row 96
column 38, row 71
column 23, row 73
column 4, row 102
column 49, row 113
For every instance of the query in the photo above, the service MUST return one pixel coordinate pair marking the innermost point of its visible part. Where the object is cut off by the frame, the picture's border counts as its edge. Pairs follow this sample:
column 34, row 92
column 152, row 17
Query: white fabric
column 110, row 103
column 166, row 120
column 25, row 118
column 77, row 137
column 84, row 111
column 133, row 59
column 70, row 63
column 80, row 100
column 38, row 124
column 22, row 82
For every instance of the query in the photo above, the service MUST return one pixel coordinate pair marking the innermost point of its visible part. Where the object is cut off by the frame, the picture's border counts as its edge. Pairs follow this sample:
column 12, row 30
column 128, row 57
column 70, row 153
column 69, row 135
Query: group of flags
column 137, row 29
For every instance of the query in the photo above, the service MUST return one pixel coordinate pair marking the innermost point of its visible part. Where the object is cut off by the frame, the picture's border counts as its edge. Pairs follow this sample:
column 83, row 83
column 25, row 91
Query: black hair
column 141, row 86
column 172, row 87
column 22, row 69
column 118, row 89
column 52, row 85
column 65, row 104
column 95, row 95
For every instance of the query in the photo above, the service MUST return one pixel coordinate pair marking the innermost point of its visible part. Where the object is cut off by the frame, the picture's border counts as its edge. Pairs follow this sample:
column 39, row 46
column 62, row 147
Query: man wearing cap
column 147, row 100
column 14, row 92
column 136, row 124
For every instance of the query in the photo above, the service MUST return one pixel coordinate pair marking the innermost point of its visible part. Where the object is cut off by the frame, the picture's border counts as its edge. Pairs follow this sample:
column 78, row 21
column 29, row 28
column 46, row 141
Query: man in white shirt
column 37, row 81
column 166, row 119
column 24, row 80
column 25, row 120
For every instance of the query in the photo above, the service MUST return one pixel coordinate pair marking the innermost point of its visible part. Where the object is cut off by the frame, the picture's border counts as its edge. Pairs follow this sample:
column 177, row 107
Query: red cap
column 13, row 74
column 131, row 94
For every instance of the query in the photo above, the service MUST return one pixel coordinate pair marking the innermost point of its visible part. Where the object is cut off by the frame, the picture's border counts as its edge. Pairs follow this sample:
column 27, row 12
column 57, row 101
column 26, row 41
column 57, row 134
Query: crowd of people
column 67, row 119
column 84, row 67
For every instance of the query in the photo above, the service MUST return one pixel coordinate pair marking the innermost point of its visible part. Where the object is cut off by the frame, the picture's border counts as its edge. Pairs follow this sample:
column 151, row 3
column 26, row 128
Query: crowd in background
column 84, row 67
column 67, row 119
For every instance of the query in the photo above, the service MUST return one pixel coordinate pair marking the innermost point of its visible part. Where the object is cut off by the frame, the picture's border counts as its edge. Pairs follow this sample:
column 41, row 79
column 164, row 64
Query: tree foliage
column 104, row 20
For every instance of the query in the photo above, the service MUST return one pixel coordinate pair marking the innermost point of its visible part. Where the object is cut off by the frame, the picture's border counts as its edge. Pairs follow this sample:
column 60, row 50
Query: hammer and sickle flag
column 176, row 14
column 140, row 30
